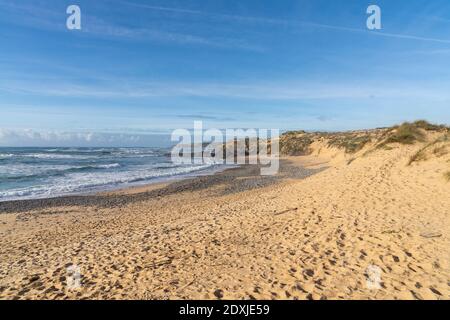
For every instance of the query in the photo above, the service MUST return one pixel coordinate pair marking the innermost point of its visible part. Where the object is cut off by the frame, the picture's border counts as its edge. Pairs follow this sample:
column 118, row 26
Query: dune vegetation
column 300, row 142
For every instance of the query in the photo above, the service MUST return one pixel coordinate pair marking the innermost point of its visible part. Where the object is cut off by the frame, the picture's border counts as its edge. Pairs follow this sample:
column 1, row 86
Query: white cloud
column 30, row 137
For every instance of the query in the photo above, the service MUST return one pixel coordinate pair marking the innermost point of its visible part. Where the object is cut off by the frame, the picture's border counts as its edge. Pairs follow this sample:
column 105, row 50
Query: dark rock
column 218, row 293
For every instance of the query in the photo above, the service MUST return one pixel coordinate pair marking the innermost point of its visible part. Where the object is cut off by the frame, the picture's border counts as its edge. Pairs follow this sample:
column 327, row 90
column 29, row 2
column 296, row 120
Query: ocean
column 30, row 173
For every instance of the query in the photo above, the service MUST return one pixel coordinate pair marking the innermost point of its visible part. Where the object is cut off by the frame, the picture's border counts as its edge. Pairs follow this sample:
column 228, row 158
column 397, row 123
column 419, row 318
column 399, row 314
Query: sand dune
column 317, row 233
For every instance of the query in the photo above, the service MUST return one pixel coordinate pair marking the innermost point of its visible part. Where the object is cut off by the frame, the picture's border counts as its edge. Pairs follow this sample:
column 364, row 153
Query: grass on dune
column 407, row 133
column 296, row 145
column 422, row 124
column 299, row 142
column 418, row 156
column 351, row 143
column 438, row 151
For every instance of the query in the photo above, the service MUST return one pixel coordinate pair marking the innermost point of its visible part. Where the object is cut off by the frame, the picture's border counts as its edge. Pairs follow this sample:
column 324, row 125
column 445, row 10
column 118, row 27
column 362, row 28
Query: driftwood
column 431, row 234
column 285, row 211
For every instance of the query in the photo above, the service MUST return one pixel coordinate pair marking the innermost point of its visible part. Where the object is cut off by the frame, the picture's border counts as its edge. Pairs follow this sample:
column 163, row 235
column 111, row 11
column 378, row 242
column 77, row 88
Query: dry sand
column 305, row 234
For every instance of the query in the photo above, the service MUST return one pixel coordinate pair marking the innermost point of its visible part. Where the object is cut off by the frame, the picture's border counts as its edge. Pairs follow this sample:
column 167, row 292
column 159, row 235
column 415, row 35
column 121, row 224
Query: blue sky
column 140, row 67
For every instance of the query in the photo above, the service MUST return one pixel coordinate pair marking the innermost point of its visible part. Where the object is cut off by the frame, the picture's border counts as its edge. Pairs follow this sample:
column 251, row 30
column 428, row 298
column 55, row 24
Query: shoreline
column 123, row 186
column 172, row 185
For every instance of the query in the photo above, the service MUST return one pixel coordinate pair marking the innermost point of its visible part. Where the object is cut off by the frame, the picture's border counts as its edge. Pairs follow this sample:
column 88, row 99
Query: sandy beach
column 314, row 231
column 225, row 158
